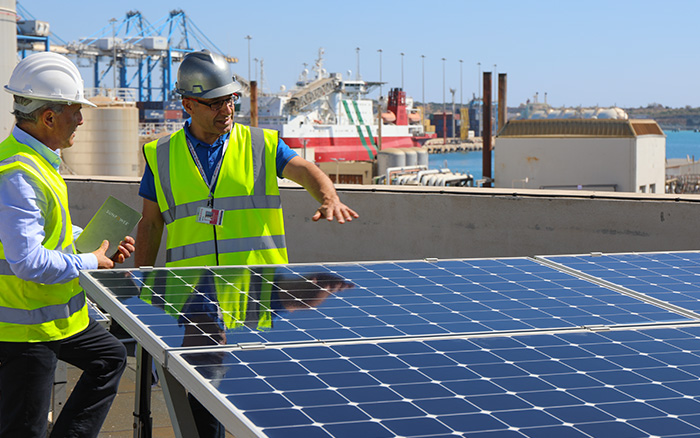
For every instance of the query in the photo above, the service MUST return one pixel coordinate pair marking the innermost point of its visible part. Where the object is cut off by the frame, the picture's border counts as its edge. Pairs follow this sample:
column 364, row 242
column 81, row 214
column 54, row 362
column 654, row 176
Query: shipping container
column 437, row 121
column 152, row 114
column 172, row 114
column 172, row 105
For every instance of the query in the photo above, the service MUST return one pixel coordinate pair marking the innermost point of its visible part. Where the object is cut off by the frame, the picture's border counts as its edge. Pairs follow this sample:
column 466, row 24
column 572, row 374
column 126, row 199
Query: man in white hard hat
column 213, row 184
column 43, row 311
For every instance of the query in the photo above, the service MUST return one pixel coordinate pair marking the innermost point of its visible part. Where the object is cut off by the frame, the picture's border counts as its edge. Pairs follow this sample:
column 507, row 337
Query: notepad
column 113, row 221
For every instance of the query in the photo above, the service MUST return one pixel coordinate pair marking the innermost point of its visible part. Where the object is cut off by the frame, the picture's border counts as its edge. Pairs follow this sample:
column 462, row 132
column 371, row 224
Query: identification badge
column 210, row 216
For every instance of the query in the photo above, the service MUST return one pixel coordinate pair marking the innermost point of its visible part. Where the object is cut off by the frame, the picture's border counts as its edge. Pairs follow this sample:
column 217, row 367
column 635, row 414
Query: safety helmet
column 206, row 75
column 46, row 76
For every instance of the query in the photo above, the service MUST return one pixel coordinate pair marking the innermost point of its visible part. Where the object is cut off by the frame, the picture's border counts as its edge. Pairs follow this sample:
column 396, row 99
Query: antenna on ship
column 318, row 66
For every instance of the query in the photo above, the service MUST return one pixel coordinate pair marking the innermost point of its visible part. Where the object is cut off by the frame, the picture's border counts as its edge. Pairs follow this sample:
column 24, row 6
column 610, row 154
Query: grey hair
column 33, row 116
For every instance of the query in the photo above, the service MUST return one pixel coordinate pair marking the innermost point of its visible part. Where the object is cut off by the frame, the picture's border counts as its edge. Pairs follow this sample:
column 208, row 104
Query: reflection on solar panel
column 508, row 346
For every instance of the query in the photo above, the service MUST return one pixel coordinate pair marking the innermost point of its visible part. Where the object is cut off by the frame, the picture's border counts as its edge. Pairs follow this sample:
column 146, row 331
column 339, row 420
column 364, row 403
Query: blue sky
column 627, row 53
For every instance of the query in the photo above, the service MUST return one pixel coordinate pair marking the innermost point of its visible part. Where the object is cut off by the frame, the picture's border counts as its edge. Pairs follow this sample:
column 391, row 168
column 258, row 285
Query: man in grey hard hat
column 43, row 310
column 213, row 183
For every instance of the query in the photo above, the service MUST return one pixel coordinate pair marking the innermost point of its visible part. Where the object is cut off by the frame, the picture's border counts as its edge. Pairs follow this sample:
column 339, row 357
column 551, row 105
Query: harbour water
column 679, row 144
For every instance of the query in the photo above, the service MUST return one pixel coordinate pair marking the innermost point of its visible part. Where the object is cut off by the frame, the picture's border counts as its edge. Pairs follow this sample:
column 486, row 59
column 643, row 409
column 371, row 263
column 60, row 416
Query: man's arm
column 317, row 183
column 148, row 234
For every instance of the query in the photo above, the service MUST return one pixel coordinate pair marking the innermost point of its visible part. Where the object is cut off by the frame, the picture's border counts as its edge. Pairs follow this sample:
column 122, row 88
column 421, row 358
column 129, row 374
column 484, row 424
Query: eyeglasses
column 217, row 105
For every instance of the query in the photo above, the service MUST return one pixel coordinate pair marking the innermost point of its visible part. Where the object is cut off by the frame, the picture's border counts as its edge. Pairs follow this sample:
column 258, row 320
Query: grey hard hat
column 206, row 75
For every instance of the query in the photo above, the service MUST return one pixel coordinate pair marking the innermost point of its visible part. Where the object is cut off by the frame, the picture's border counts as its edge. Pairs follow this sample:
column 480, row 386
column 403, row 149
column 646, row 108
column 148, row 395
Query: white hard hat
column 46, row 76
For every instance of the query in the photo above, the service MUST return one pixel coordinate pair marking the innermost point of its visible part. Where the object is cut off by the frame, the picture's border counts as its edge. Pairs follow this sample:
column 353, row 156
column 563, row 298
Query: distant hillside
column 687, row 118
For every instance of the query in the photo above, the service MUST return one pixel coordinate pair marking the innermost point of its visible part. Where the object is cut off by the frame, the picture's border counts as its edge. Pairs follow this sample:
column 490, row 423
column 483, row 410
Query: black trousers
column 26, row 380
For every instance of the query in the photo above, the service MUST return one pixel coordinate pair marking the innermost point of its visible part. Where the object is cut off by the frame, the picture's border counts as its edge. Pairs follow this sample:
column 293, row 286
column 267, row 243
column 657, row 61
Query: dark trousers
column 207, row 425
column 27, row 375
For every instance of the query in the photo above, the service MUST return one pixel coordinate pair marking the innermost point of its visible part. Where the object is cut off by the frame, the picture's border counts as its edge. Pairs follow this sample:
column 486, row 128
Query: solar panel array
column 554, row 346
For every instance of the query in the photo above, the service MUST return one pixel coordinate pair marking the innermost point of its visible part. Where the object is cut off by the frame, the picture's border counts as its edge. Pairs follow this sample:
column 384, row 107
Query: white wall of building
column 651, row 167
column 620, row 164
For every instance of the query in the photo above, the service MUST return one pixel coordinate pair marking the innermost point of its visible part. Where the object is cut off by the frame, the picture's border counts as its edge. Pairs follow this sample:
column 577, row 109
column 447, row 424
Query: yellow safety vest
column 252, row 232
column 29, row 311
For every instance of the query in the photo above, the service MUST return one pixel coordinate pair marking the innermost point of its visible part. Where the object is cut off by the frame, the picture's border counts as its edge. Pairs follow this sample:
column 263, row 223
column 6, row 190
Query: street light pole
column 444, row 111
column 248, row 37
column 461, row 100
column 478, row 101
column 422, row 113
column 380, row 74
column 494, row 94
column 114, row 55
column 256, row 60
column 357, row 75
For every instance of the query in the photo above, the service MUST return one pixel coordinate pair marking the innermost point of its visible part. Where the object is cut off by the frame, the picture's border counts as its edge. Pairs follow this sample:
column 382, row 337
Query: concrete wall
column 626, row 163
column 402, row 223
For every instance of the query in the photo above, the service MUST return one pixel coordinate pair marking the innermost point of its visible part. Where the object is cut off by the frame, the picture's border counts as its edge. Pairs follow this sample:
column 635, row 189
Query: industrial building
column 574, row 154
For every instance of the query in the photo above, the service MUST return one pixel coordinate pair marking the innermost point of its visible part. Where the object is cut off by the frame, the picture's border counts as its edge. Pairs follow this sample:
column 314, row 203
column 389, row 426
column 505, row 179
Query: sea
column 679, row 144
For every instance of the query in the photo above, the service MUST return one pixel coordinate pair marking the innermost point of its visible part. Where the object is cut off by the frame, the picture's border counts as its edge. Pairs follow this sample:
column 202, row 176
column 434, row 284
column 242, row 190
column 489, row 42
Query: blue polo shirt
column 209, row 155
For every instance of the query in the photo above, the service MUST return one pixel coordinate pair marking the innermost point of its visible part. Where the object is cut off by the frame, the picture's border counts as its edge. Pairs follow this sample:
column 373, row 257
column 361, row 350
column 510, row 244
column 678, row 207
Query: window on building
column 652, row 188
column 642, row 189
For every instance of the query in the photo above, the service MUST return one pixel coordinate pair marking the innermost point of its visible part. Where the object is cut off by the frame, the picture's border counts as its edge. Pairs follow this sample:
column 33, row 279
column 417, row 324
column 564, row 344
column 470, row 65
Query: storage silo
column 411, row 157
column 108, row 141
column 8, row 60
column 422, row 157
column 392, row 157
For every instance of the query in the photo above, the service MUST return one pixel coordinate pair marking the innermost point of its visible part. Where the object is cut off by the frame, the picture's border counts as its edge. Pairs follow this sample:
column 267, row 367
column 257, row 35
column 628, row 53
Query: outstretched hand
column 333, row 208
column 126, row 248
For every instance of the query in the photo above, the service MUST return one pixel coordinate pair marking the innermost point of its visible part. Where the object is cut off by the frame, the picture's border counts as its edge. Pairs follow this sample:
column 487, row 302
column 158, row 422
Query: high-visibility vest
column 252, row 231
column 29, row 311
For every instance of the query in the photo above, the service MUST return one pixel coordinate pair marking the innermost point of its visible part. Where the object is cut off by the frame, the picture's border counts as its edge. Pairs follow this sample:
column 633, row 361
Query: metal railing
column 123, row 94
column 165, row 127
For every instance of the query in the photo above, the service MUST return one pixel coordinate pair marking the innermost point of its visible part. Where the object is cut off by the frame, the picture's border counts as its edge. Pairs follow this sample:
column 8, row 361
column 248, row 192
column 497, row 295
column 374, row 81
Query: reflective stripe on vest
column 43, row 314
column 231, row 245
column 228, row 204
column 246, row 191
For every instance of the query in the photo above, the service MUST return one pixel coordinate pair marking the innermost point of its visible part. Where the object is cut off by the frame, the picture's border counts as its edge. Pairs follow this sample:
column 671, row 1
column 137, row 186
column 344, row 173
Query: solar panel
column 672, row 278
column 373, row 300
column 631, row 383
column 414, row 348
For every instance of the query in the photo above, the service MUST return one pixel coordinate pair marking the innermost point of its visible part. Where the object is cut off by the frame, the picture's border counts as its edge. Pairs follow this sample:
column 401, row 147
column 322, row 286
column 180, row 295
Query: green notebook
column 113, row 221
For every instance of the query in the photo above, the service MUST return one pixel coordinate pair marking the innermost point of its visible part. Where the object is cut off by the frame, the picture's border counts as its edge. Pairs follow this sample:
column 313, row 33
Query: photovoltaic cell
column 670, row 277
column 634, row 383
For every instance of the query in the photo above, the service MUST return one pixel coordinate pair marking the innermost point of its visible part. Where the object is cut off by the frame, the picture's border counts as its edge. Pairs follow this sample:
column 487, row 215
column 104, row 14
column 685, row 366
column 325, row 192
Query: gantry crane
column 139, row 54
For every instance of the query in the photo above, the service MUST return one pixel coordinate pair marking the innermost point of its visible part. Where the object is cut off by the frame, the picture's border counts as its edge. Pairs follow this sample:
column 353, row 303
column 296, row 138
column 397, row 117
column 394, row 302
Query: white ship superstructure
column 331, row 116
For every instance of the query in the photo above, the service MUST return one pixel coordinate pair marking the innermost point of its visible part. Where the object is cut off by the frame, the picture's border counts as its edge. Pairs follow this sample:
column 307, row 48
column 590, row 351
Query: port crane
column 139, row 54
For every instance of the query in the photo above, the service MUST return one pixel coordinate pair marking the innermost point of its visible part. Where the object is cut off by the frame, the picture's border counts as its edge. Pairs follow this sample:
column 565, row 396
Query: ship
column 331, row 118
